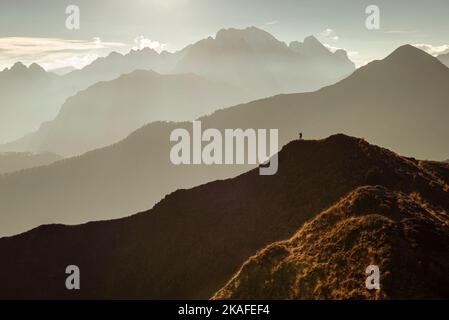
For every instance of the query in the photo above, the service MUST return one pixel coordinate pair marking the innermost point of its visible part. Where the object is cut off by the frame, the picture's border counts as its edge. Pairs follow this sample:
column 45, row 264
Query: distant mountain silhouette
column 399, row 102
column 115, row 64
column 12, row 161
column 28, row 97
column 444, row 58
column 249, row 61
column 108, row 111
column 31, row 96
column 192, row 242
column 254, row 59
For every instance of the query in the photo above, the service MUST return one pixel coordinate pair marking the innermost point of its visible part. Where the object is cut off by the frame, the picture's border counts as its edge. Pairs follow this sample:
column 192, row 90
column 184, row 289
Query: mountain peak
column 36, row 68
column 254, row 37
column 311, row 46
column 312, row 40
column 341, row 53
column 407, row 64
column 235, row 32
column 18, row 66
column 21, row 67
column 407, row 50
column 408, row 55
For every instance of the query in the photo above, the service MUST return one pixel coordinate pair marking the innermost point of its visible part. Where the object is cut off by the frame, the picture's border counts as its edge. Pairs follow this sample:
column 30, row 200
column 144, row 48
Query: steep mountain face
column 27, row 99
column 444, row 58
column 253, row 58
column 191, row 243
column 379, row 102
column 108, row 111
column 12, row 161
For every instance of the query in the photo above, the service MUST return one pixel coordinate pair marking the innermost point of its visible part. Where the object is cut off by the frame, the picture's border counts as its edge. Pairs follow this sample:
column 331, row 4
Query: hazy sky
column 34, row 30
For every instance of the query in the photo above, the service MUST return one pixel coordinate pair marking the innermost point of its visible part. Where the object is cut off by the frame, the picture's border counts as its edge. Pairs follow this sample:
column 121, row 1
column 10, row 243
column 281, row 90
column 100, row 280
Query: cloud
column 354, row 56
column 433, row 50
column 53, row 53
column 329, row 34
column 142, row 42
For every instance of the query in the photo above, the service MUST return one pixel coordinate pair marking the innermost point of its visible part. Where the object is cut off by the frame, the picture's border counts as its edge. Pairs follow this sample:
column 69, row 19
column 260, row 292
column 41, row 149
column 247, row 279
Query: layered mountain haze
column 381, row 102
column 254, row 59
column 149, row 150
column 192, row 242
column 31, row 96
column 248, row 63
column 108, row 111
column 107, row 183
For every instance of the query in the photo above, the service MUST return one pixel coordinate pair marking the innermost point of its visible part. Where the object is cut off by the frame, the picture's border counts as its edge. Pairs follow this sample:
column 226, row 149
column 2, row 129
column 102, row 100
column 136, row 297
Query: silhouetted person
column 300, row 136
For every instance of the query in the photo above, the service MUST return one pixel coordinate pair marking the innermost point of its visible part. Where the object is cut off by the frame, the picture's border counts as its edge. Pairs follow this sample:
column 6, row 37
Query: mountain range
column 32, row 96
column 338, row 202
column 380, row 102
column 109, row 110
column 249, row 60
column 254, row 59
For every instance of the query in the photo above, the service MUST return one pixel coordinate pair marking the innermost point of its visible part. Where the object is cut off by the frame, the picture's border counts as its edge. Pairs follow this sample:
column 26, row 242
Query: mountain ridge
column 403, row 236
column 207, row 238
column 97, row 191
